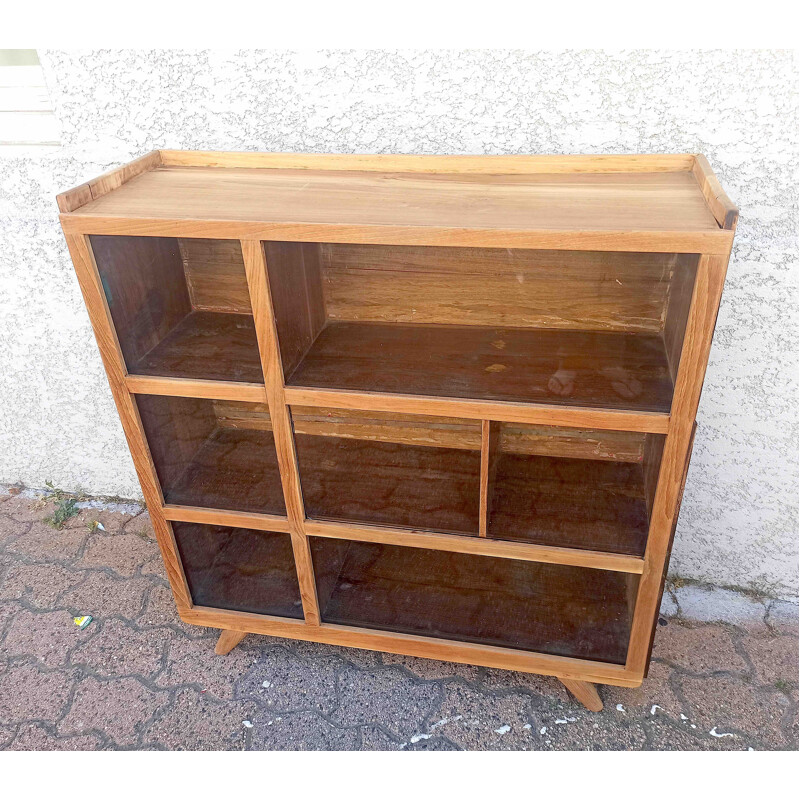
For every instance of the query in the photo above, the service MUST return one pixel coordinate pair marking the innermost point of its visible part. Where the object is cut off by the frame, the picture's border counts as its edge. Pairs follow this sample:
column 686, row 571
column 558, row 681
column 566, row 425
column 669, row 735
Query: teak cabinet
column 439, row 406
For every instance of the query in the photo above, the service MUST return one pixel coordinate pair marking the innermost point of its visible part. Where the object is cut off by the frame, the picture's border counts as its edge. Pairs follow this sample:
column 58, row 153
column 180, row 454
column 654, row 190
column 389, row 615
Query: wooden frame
column 712, row 244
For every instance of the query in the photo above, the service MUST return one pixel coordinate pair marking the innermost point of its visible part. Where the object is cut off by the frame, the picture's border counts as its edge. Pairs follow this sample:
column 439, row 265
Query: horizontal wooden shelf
column 519, row 551
column 188, row 387
column 207, row 346
column 218, row 516
column 534, row 413
column 553, row 609
column 619, row 371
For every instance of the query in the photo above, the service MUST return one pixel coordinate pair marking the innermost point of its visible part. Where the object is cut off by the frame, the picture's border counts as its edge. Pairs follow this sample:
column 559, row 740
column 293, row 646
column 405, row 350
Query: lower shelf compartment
column 545, row 608
column 239, row 569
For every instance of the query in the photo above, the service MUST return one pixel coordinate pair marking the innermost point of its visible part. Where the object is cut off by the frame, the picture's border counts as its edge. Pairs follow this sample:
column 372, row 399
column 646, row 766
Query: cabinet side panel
column 688, row 386
column 677, row 309
column 111, row 354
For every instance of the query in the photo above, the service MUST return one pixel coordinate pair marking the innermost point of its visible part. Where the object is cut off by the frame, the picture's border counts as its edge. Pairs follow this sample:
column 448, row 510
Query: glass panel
column 181, row 307
column 401, row 470
column 565, row 611
column 213, row 453
column 239, row 569
column 592, row 329
column 572, row 488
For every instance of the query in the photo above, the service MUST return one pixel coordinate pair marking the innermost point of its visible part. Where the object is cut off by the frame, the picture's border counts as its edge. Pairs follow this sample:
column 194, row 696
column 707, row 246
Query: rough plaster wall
column 57, row 420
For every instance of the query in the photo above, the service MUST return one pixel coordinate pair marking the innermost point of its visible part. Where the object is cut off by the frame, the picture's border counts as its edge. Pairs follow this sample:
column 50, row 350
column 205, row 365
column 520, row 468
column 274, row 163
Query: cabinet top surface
column 569, row 194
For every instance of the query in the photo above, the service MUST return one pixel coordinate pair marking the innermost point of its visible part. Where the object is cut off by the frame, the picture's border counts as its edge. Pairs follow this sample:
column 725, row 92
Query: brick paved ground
column 138, row 678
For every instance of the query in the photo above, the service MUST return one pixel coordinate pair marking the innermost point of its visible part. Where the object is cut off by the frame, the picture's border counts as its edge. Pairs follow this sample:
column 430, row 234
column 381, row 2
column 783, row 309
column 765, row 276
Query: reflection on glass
column 213, row 453
column 565, row 611
column 239, row 569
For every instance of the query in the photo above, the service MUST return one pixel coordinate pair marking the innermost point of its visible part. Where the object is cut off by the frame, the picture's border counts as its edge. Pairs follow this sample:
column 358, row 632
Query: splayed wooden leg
column 585, row 693
column 227, row 641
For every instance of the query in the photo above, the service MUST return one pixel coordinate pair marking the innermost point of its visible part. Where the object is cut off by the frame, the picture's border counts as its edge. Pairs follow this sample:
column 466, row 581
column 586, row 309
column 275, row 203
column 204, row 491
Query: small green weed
column 66, row 507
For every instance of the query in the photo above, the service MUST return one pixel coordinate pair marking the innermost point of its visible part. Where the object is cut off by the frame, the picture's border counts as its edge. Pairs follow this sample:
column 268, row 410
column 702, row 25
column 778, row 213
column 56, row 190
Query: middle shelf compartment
column 213, row 454
column 559, row 487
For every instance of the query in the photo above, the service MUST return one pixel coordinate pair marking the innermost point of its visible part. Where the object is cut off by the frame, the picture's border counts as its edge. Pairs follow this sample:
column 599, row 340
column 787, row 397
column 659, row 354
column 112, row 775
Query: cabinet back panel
column 215, row 275
column 452, row 432
column 497, row 287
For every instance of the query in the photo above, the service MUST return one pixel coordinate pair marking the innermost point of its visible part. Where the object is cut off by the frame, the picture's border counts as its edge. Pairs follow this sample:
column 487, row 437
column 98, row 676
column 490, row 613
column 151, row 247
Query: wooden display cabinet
column 439, row 406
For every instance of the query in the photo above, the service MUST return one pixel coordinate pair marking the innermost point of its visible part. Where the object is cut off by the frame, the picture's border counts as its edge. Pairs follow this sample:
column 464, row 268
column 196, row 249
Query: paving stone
column 38, row 584
column 47, row 636
column 194, row 661
column 282, row 682
column 547, row 689
column 160, row 612
column 112, row 521
column 375, row 739
column 774, row 659
column 731, row 705
column 430, row 670
column 43, row 543
column 700, row 649
column 153, row 565
column 28, row 694
column 26, row 509
column 120, row 708
column 34, row 736
column 117, row 650
column 589, row 731
column 782, row 616
column 102, row 595
column 194, row 721
column 302, row 730
column 640, row 702
column 123, row 553
column 7, row 733
column 352, row 655
column 666, row 735
column 10, row 528
column 386, row 697
column 477, row 720
column 141, row 526
column 7, row 612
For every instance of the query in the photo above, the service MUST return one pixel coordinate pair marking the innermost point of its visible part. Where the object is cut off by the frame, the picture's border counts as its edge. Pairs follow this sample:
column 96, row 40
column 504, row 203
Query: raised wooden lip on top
column 76, row 219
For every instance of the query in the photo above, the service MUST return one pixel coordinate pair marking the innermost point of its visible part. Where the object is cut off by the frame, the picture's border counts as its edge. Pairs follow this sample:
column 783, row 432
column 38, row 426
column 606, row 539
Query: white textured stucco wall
column 57, row 419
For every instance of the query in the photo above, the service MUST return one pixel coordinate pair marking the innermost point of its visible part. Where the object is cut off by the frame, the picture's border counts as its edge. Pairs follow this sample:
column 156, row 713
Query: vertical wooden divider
column 114, row 363
column 255, row 264
column 686, row 397
column 490, row 444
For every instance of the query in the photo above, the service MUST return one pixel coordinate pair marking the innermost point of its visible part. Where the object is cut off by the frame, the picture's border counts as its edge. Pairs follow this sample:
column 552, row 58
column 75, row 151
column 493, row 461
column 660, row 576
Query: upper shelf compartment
column 180, row 307
column 558, row 327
